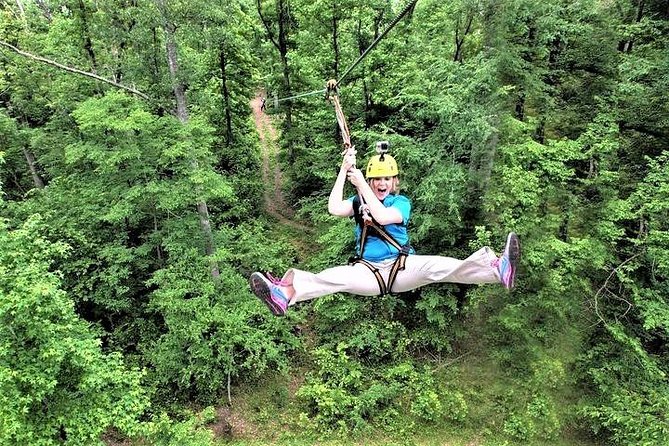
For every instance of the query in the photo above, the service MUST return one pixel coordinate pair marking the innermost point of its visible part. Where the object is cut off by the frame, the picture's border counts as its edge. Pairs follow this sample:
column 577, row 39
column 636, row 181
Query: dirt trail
column 274, row 202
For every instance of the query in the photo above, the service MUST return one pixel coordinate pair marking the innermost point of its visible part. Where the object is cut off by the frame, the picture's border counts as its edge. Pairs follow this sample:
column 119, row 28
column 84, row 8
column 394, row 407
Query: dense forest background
column 132, row 214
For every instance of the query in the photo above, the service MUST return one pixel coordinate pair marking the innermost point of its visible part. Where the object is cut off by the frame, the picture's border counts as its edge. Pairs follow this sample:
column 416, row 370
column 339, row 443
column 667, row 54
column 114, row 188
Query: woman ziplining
column 382, row 266
column 385, row 262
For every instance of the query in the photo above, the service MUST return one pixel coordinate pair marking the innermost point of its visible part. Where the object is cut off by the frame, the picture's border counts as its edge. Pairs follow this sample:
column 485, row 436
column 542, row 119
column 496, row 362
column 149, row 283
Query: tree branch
column 21, row 8
column 265, row 22
column 603, row 287
column 73, row 70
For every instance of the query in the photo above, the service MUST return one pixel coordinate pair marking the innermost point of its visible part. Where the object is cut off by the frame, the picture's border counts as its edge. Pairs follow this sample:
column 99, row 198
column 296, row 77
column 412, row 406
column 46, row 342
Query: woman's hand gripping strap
column 349, row 149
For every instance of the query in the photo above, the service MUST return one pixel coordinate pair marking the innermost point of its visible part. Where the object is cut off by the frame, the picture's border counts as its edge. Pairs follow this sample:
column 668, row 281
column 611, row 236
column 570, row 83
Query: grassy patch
column 268, row 413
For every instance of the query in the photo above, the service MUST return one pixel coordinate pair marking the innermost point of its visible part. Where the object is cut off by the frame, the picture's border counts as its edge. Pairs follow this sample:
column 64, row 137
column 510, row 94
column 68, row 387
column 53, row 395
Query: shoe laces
column 276, row 281
column 495, row 263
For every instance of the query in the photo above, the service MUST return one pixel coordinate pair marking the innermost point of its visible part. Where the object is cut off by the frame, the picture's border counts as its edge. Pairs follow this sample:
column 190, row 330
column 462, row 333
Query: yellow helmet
column 380, row 166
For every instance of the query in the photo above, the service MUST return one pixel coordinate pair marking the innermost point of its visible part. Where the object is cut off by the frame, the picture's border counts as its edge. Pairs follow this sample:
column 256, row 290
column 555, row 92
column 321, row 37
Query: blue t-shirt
column 376, row 249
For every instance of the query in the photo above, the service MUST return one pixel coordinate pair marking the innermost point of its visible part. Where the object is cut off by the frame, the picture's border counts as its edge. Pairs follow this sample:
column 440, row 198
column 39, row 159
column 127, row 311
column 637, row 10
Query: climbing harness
column 370, row 228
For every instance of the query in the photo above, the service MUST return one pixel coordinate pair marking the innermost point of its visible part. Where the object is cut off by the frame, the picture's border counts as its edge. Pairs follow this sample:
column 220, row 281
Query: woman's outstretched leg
column 354, row 279
column 297, row 285
column 481, row 267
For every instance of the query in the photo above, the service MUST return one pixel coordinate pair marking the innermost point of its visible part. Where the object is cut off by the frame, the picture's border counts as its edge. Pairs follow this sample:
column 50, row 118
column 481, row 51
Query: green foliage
column 251, row 247
column 546, row 119
column 123, row 202
column 164, row 431
column 533, row 410
column 537, row 421
column 627, row 366
column 124, row 180
column 630, row 405
column 437, row 306
column 438, row 201
column 10, row 139
column 651, row 208
column 212, row 332
column 58, row 387
column 343, row 394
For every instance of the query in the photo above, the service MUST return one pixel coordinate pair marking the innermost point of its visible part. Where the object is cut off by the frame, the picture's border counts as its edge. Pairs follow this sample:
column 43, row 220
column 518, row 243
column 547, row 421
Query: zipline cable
column 399, row 17
column 364, row 54
column 290, row 98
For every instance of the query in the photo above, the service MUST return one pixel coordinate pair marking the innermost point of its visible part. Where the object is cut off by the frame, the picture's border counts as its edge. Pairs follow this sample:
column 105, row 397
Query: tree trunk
column 540, row 132
column 284, row 27
column 335, row 41
column 19, row 3
column 460, row 39
column 365, row 90
column 125, row 26
column 182, row 115
column 487, row 158
column 159, row 250
column 370, row 114
column 86, row 36
column 367, row 95
column 226, row 99
column 520, row 106
column 625, row 46
column 32, row 165
column 45, row 10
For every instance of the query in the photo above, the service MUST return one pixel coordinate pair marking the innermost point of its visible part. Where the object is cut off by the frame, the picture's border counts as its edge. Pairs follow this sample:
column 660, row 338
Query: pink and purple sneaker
column 270, row 291
column 507, row 264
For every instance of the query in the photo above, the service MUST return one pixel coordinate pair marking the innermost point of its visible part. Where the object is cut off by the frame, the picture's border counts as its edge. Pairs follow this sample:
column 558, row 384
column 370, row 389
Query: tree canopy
column 132, row 179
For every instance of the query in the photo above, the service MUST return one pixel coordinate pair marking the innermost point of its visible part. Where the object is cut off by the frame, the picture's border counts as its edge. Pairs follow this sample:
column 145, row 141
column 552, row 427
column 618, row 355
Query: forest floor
column 273, row 197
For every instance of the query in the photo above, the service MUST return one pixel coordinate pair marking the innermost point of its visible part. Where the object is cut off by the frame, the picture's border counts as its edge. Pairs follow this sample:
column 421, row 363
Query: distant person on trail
column 385, row 261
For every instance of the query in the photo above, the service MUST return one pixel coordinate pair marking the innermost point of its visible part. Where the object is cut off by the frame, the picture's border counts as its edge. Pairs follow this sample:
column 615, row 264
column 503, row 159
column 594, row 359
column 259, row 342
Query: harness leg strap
column 379, row 278
column 399, row 265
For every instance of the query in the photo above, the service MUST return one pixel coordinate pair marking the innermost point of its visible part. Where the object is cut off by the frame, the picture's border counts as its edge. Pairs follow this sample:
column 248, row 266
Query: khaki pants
column 420, row 270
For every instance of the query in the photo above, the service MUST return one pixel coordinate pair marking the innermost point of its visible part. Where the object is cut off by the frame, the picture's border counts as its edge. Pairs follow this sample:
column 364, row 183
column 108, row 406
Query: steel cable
column 364, row 54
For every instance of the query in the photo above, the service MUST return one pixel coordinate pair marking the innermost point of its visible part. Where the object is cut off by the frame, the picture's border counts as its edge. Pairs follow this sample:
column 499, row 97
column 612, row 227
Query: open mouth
column 382, row 187
column 381, row 191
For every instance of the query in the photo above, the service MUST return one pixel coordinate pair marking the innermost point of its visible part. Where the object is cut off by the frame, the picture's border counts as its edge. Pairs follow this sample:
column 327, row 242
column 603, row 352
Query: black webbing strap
column 400, row 261
column 377, row 274
column 398, row 265
column 369, row 225
column 387, row 237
